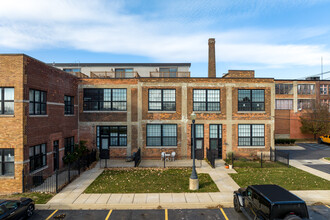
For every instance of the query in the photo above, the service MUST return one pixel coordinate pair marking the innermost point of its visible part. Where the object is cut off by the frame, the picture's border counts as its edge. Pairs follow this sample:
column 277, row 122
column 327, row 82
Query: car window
column 11, row 205
column 249, row 193
column 2, row 210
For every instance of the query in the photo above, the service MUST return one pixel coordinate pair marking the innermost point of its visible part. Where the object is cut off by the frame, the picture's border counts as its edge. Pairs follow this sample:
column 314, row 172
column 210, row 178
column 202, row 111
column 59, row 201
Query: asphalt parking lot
column 319, row 212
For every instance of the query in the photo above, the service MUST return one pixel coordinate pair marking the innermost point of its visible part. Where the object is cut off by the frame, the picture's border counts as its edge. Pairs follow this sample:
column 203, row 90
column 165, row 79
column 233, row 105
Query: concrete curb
column 324, row 160
column 134, row 206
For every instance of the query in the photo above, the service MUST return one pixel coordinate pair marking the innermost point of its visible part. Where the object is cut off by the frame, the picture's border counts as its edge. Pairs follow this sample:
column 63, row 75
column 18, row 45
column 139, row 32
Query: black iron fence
column 137, row 158
column 44, row 181
column 279, row 156
column 211, row 157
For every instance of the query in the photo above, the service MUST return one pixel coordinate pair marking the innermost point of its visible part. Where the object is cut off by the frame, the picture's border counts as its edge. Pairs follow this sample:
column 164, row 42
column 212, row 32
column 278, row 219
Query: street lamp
column 193, row 180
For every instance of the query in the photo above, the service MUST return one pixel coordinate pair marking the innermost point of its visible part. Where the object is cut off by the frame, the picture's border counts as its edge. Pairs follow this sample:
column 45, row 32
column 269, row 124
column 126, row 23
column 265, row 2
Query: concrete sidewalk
column 300, row 165
column 72, row 197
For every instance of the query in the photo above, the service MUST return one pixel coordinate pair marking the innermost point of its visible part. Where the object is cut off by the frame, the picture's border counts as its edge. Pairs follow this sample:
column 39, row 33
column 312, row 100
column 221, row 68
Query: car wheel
column 292, row 217
column 29, row 210
column 236, row 204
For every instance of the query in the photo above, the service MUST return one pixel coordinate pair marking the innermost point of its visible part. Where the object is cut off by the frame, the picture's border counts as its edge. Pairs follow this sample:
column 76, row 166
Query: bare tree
column 316, row 121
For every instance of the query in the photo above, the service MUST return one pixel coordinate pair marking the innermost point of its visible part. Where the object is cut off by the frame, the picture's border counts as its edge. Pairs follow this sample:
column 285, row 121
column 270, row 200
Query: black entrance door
column 199, row 141
column 216, row 140
column 56, row 155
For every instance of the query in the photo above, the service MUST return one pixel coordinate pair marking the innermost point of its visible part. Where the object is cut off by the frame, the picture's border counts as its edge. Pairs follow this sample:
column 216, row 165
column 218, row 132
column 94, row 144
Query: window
column 161, row 135
column 37, row 157
column 72, row 70
column 7, row 159
column 111, row 136
column 305, row 103
column 206, row 100
column 38, row 100
column 251, row 135
column 162, row 100
column 251, row 100
column 283, row 103
column 168, row 72
column 326, row 102
column 124, row 73
column 6, row 101
column 105, row 100
column 68, row 105
column 283, row 88
column 324, row 89
column 68, row 145
column 306, row 89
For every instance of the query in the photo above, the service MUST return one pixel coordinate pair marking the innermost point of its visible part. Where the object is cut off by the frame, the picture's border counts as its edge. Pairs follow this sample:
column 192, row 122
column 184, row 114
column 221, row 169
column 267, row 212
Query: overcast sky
column 280, row 39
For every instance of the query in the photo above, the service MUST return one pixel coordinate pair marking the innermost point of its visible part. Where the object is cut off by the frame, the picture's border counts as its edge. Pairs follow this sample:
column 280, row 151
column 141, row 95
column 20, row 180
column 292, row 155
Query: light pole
column 193, row 180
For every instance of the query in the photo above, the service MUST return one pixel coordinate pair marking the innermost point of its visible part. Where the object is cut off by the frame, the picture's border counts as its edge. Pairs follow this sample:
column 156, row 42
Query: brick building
column 38, row 118
column 293, row 99
column 118, row 108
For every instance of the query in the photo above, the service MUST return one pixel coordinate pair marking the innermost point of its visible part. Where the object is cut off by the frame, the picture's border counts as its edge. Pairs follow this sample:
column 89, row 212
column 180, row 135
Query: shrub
column 285, row 141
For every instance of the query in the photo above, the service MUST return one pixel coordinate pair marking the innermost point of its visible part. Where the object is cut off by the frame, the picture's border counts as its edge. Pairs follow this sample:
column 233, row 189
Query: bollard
column 56, row 175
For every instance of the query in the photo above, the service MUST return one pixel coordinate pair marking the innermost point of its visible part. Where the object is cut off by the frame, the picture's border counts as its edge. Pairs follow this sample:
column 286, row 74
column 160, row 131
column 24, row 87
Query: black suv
column 16, row 209
column 269, row 202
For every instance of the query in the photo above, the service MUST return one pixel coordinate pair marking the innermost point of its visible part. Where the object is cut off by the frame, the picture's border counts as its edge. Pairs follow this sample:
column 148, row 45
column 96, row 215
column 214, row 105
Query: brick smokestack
column 212, row 71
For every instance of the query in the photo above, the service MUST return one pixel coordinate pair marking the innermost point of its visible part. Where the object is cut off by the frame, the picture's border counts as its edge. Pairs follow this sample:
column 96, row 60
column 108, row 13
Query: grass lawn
column 327, row 158
column 153, row 180
column 249, row 173
column 39, row 198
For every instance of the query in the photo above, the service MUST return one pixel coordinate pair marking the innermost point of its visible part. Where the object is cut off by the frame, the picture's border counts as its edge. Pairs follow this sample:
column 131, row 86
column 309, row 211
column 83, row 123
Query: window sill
column 246, row 112
column 205, row 112
column 38, row 116
column 162, row 112
column 111, row 147
column 7, row 116
column 162, row 147
column 69, row 115
column 105, row 111
column 249, row 147
column 38, row 170
column 7, row 177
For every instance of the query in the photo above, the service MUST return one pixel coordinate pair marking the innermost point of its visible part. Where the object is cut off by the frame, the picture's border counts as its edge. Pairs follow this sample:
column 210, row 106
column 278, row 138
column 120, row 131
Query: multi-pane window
column 324, row 89
column 38, row 155
column 305, row 103
column 251, row 100
column 162, row 100
column 38, row 100
column 206, row 100
column 283, row 88
column 68, row 145
column 168, row 72
column 283, row 103
column 251, row 135
column 326, row 102
column 105, row 100
column 7, row 159
column 6, row 101
column 124, row 73
column 112, row 136
column 161, row 135
column 68, row 105
column 306, row 89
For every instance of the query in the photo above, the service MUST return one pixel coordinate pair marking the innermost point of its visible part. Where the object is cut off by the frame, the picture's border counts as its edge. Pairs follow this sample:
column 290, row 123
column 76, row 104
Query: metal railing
column 43, row 181
column 210, row 157
column 278, row 156
column 169, row 74
column 137, row 158
column 114, row 75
